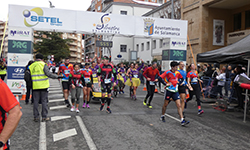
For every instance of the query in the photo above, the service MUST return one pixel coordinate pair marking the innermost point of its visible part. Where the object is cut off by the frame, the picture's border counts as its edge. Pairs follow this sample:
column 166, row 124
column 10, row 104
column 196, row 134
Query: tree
column 51, row 43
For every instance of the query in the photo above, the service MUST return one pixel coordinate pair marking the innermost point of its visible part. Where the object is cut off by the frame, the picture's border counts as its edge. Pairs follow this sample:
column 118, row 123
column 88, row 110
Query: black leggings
column 150, row 92
column 196, row 92
column 3, row 76
column 108, row 100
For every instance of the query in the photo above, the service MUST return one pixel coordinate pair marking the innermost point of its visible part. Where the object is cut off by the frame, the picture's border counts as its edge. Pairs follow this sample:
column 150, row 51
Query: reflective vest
column 39, row 79
column 3, row 72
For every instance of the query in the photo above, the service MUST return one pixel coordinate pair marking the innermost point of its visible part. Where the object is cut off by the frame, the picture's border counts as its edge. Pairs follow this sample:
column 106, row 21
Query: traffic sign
column 119, row 56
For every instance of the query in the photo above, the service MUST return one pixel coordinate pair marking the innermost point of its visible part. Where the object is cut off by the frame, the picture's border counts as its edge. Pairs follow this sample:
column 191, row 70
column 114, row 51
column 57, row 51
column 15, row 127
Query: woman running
column 121, row 78
column 76, row 80
column 134, row 81
column 88, row 78
column 194, row 89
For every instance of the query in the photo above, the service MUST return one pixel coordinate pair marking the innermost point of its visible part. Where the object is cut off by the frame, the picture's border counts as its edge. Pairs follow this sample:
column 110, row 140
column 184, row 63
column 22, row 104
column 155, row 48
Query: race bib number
column 94, row 75
column 195, row 80
column 106, row 81
column 151, row 83
column 123, row 74
column 135, row 76
column 87, row 80
column 66, row 71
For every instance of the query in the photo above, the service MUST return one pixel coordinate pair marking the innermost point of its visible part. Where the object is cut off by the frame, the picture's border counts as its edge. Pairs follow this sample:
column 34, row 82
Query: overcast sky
column 62, row 4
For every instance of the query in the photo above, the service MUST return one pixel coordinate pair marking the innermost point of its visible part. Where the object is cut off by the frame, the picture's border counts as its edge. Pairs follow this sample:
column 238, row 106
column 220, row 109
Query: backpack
column 27, row 77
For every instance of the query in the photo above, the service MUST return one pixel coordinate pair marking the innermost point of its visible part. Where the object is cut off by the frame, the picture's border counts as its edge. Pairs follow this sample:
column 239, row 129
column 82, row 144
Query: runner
column 150, row 74
column 105, row 72
column 65, row 69
column 94, row 67
column 171, row 77
column 134, row 81
column 121, row 78
column 193, row 85
column 182, row 88
column 3, row 68
column 76, row 80
column 87, row 73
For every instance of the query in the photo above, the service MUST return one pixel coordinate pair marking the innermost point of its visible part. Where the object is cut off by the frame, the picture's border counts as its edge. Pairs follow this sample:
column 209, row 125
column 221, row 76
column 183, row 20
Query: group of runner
column 176, row 83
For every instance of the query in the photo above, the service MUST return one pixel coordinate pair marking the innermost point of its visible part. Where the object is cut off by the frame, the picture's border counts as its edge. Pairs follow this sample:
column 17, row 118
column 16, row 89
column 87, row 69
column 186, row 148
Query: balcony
column 73, row 49
column 73, row 55
column 73, row 43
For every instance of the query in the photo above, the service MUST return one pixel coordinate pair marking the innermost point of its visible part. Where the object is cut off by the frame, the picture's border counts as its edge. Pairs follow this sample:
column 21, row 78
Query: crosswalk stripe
column 42, row 136
column 56, row 118
column 64, row 134
column 57, row 107
column 59, row 91
column 56, row 100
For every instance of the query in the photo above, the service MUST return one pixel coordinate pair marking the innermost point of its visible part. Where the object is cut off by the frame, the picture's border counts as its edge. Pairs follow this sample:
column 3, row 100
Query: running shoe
column 119, row 92
column 122, row 92
column 101, row 108
column 45, row 119
column 72, row 108
column 162, row 118
column 87, row 105
column 184, row 122
column 149, row 106
column 144, row 102
column 135, row 98
column 66, row 101
column 84, row 105
column 200, row 112
column 108, row 110
column 77, row 110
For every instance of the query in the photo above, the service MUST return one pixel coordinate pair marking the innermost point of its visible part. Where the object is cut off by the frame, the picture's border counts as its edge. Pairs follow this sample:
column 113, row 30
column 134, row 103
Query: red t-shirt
column 87, row 75
column 7, row 102
column 151, row 73
column 193, row 76
column 65, row 70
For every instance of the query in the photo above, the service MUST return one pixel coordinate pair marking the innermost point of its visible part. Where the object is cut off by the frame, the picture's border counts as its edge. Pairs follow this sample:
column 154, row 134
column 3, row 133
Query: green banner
column 17, row 46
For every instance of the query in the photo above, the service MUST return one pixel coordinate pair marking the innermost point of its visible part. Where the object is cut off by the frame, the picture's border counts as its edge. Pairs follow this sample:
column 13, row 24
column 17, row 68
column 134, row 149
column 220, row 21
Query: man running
column 65, row 68
column 171, row 77
column 150, row 74
column 182, row 88
column 105, row 72
column 122, row 78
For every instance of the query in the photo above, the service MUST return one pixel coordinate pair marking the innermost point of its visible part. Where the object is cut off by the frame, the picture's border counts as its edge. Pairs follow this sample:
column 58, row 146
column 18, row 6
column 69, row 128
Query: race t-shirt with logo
column 76, row 78
column 171, row 77
column 193, row 76
column 65, row 70
column 87, row 74
column 105, row 72
column 184, row 75
column 7, row 102
column 94, row 71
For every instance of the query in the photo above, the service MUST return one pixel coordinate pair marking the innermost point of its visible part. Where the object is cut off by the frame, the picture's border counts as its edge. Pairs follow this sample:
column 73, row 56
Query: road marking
column 172, row 117
column 56, row 100
column 42, row 137
column 57, row 107
column 86, row 134
column 55, row 118
column 51, row 92
column 64, row 134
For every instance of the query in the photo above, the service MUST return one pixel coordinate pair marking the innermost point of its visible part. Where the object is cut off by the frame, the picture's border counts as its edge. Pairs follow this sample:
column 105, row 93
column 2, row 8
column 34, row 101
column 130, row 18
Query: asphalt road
column 130, row 126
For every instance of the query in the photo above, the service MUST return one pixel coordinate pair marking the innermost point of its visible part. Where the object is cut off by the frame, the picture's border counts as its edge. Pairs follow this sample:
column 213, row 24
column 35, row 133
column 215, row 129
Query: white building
column 125, row 45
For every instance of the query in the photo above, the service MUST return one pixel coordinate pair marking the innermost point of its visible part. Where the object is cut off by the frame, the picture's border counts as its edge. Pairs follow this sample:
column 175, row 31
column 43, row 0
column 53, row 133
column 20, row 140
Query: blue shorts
column 174, row 96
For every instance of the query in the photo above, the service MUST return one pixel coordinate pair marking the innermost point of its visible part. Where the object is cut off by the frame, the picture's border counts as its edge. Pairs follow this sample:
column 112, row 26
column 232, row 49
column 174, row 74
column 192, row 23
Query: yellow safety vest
column 3, row 72
column 39, row 79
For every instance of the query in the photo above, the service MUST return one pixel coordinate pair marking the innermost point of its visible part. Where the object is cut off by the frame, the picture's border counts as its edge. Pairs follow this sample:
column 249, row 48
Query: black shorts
column 106, row 87
column 182, row 89
column 65, row 85
column 88, row 85
column 168, row 95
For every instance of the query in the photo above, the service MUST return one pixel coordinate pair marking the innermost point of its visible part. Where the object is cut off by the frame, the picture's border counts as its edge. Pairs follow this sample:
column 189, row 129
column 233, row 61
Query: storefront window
column 247, row 17
column 237, row 21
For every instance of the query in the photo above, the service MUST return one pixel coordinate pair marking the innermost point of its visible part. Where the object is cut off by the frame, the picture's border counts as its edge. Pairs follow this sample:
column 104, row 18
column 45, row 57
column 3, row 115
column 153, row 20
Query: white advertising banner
column 48, row 19
column 16, row 85
column 179, row 44
column 17, row 59
column 158, row 27
column 17, row 33
column 38, row 18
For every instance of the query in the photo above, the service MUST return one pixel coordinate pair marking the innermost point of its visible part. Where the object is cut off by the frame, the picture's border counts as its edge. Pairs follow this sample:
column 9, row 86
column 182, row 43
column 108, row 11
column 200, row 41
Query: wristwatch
column 1, row 144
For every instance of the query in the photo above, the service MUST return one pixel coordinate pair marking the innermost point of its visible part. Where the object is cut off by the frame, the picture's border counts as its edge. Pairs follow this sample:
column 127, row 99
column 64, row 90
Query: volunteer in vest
column 8, row 124
column 65, row 69
column 3, row 68
column 194, row 89
column 150, row 75
column 182, row 88
column 40, row 83
column 87, row 74
column 76, row 80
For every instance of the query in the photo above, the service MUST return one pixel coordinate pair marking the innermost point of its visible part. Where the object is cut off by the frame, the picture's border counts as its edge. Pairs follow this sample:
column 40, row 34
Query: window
column 142, row 46
column 137, row 47
column 161, row 41
column 99, row 8
column 123, row 12
column 123, row 48
column 160, row 1
column 153, row 0
column 237, row 21
column 247, row 19
column 148, row 45
column 154, row 44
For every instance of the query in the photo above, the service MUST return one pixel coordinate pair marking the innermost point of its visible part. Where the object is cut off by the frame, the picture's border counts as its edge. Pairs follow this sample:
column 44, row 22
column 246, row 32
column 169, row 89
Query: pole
column 172, row 14
column 195, row 63
column 6, row 23
column 245, row 109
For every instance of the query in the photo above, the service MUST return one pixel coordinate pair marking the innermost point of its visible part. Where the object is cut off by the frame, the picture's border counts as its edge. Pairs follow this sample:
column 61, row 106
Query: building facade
column 213, row 24
column 5, row 43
